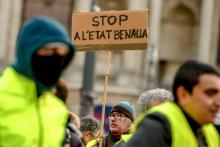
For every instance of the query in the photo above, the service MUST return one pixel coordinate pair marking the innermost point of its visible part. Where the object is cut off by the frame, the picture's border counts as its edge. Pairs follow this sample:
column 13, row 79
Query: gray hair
column 158, row 94
column 89, row 123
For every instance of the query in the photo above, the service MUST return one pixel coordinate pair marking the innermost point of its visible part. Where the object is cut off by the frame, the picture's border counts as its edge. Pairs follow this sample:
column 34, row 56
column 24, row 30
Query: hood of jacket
column 35, row 34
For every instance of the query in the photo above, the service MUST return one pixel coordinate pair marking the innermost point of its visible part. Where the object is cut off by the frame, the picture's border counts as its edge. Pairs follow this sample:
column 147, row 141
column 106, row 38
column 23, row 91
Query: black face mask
column 47, row 69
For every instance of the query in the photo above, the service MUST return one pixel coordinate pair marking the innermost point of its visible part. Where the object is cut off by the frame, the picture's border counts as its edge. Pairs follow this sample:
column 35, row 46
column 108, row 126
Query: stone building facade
column 179, row 30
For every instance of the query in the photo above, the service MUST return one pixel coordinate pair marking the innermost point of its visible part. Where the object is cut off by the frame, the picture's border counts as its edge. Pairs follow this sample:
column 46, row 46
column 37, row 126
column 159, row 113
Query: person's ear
column 182, row 95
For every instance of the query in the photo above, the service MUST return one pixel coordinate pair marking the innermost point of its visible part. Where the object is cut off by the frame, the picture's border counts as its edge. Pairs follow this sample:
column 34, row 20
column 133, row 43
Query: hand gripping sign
column 110, row 31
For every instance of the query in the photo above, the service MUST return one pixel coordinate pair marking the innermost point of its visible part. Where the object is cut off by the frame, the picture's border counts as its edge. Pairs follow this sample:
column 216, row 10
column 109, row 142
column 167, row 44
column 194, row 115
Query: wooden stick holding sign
column 110, row 31
column 105, row 96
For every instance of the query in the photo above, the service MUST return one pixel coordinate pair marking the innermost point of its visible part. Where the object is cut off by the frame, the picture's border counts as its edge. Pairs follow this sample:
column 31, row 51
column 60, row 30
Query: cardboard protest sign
column 110, row 30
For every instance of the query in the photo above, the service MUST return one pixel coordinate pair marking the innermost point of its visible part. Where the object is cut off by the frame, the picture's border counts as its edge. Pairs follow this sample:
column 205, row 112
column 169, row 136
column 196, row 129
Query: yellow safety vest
column 182, row 135
column 28, row 121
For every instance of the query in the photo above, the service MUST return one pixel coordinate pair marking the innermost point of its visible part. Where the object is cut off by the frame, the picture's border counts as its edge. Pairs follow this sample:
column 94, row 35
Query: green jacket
column 182, row 135
column 28, row 120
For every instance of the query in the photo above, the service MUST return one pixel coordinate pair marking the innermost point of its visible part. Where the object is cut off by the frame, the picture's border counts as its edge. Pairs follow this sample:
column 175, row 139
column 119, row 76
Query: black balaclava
column 47, row 69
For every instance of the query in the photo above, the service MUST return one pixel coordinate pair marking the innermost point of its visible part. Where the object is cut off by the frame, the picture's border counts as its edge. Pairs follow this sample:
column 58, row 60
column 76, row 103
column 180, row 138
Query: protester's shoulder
column 10, row 78
column 4, row 78
column 158, row 129
column 155, row 121
column 157, row 117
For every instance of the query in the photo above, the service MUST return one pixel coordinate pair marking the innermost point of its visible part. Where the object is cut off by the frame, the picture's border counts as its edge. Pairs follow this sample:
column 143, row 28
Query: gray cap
column 126, row 108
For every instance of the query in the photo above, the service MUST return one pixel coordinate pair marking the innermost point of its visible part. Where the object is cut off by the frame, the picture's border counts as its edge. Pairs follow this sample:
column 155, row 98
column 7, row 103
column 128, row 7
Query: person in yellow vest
column 120, row 122
column 188, row 121
column 147, row 100
column 31, row 115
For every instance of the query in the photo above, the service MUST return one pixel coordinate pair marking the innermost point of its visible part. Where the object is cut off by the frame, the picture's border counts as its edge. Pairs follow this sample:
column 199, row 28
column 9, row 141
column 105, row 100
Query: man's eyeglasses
column 117, row 115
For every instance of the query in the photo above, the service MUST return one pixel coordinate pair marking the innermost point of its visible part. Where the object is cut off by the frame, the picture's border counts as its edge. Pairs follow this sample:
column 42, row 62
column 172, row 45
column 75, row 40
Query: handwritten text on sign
column 115, row 28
